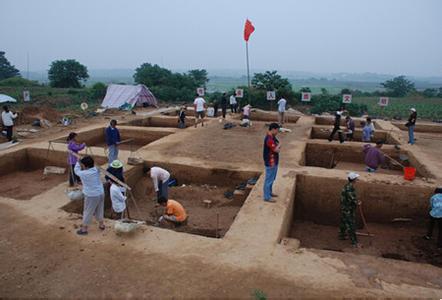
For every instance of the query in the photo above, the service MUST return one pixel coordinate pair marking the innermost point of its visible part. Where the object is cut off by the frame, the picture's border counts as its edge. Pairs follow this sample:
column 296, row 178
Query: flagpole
column 248, row 69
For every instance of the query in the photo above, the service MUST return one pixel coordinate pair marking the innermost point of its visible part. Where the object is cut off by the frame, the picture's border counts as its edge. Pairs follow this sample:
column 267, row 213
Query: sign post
column 306, row 97
column 200, row 91
column 271, row 96
column 26, row 96
column 346, row 98
column 383, row 102
column 239, row 93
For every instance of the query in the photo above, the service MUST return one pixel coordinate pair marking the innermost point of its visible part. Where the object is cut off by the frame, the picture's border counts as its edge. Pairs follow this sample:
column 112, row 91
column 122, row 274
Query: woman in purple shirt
column 74, row 146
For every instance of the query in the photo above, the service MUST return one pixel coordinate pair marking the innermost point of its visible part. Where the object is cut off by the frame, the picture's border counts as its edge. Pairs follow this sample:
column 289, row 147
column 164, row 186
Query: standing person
column 118, row 198
column 349, row 203
column 350, row 123
column 93, row 193
column 233, row 103
column 411, row 124
column 215, row 108
column 224, row 105
column 200, row 106
column 367, row 132
column 435, row 216
column 271, row 151
column 112, row 140
column 336, row 126
column 160, row 179
column 281, row 110
column 182, row 117
column 75, row 147
column 8, row 121
column 174, row 212
column 373, row 156
column 245, row 122
column 371, row 124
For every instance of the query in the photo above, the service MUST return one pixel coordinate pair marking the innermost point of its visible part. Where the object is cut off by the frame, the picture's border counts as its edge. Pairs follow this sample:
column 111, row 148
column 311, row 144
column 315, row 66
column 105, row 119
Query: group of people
column 84, row 172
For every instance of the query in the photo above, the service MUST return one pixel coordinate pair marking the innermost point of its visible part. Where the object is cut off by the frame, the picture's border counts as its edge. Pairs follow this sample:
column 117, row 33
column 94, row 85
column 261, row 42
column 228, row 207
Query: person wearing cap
column 116, row 169
column 411, row 123
column 373, row 156
column 349, row 203
column 271, row 160
column 337, row 126
column 435, row 216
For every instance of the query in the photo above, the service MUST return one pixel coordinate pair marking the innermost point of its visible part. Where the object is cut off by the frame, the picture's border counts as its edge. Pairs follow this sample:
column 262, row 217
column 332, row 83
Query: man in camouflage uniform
column 348, row 208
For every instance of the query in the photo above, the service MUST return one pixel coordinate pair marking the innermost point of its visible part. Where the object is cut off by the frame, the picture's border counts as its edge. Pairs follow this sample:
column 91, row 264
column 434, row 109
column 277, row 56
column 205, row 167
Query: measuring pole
column 248, row 71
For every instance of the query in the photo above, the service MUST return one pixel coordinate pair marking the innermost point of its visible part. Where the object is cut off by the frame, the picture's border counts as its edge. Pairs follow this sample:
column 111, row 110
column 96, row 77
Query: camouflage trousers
column 347, row 226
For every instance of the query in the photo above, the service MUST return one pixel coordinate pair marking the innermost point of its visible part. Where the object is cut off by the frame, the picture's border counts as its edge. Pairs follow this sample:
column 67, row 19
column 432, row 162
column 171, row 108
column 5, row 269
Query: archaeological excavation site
column 218, row 176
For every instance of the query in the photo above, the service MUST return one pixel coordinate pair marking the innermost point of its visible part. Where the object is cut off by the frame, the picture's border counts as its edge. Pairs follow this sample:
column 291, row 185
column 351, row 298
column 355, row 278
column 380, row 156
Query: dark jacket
column 112, row 136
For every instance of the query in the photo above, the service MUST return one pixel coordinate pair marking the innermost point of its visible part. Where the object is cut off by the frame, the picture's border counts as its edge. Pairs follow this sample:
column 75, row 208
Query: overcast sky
column 382, row 36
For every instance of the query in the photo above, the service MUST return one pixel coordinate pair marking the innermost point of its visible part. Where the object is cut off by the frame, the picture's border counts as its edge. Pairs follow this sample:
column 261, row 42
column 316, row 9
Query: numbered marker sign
column 307, row 97
column 200, row 91
column 346, row 98
column 383, row 101
column 239, row 93
column 26, row 96
column 271, row 95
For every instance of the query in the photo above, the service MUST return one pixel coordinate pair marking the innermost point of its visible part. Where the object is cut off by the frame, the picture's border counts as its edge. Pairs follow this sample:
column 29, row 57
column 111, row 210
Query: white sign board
column 307, row 97
column 200, row 91
column 383, row 101
column 346, row 98
column 271, row 95
column 239, row 93
column 26, row 96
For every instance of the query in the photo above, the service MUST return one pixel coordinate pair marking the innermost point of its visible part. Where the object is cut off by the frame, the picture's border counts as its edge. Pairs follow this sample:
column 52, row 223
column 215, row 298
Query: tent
column 6, row 98
column 127, row 96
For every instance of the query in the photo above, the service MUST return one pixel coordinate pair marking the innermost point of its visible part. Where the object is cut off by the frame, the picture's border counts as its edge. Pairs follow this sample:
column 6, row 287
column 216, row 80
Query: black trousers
column 224, row 109
column 9, row 132
column 439, row 229
column 332, row 135
column 73, row 178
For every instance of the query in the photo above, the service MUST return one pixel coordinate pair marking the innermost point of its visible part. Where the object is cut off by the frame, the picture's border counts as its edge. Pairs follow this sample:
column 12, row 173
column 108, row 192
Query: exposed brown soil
column 403, row 241
column 361, row 168
column 23, row 185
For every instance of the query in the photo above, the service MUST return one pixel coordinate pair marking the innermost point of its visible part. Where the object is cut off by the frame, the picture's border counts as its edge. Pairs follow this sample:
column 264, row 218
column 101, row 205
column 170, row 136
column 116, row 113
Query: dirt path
column 41, row 261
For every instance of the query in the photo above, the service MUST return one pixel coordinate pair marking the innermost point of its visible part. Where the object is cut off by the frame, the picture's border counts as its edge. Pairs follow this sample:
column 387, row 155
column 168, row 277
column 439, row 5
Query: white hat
column 413, row 109
column 352, row 175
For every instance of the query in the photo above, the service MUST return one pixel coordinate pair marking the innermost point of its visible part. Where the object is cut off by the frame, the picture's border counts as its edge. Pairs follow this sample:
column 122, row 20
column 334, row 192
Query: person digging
column 174, row 213
column 160, row 179
column 373, row 156
column 349, row 203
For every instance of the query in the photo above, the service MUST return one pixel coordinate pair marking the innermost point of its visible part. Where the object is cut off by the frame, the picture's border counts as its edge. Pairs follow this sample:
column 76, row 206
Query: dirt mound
column 31, row 113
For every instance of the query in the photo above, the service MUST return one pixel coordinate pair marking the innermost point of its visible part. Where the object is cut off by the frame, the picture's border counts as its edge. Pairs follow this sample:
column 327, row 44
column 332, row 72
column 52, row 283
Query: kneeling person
column 174, row 211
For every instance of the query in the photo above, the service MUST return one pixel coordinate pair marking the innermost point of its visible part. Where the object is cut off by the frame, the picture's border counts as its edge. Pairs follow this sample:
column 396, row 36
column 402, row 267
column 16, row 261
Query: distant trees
column 6, row 69
column 67, row 74
column 169, row 86
column 270, row 81
column 398, row 86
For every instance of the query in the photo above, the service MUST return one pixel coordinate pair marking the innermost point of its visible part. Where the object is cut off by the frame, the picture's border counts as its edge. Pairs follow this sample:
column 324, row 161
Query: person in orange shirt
column 174, row 211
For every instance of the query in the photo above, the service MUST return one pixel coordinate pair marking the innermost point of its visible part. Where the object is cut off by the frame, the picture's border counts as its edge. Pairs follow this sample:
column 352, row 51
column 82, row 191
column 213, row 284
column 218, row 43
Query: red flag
column 248, row 29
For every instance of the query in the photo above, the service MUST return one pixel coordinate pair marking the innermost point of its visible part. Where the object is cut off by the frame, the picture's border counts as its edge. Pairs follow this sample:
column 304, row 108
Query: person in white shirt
column 200, row 106
column 8, row 121
column 281, row 110
column 93, row 193
column 118, row 198
column 160, row 179
column 233, row 104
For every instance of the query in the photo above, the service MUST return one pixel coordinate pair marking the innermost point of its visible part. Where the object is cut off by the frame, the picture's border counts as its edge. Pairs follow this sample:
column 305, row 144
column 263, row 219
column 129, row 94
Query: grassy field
column 427, row 108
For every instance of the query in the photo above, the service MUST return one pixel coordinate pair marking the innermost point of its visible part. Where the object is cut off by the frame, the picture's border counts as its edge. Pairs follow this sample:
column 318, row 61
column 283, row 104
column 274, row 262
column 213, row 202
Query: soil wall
column 431, row 128
column 324, row 133
column 323, row 120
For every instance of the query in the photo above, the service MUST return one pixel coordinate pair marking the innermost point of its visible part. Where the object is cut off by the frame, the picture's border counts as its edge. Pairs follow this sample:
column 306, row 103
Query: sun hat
column 353, row 175
column 116, row 164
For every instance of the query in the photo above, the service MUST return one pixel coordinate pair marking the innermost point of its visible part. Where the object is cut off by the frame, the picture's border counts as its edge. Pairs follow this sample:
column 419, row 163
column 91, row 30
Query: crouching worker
column 348, row 208
column 160, row 179
column 373, row 156
column 436, row 216
column 118, row 198
column 174, row 212
column 93, row 193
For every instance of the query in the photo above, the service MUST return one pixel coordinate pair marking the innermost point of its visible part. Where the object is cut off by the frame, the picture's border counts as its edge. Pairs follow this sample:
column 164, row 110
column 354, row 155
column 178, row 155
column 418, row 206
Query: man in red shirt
column 271, row 160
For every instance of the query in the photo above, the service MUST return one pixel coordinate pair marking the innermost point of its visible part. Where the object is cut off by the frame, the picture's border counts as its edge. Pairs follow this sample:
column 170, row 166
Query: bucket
column 409, row 173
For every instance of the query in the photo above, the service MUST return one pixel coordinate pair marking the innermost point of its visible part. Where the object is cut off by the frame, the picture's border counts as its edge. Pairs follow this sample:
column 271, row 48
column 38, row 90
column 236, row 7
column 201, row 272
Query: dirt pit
column 351, row 158
column 160, row 121
column 323, row 120
column 132, row 139
column 21, row 172
column 397, row 216
column 323, row 133
column 210, row 220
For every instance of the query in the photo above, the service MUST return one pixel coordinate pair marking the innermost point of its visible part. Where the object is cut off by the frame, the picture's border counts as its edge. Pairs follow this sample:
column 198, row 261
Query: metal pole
column 27, row 65
column 248, row 69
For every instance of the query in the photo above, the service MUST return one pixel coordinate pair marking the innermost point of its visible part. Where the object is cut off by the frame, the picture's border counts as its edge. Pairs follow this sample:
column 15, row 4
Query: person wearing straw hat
column 116, row 169
column 349, row 203
column 411, row 124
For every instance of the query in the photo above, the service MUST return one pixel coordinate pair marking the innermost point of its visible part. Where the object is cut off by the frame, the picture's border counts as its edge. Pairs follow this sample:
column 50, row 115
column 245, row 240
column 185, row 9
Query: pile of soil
column 23, row 185
column 32, row 113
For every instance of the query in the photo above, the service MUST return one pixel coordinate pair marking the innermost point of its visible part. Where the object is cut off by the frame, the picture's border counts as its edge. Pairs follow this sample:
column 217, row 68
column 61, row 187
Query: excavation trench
column 21, row 172
column 425, row 128
column 323, row 133
column 159, row 121
column 396, row 216
column 133, row 139
column 322, row 120
column 194, row 186
column 351, row 158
